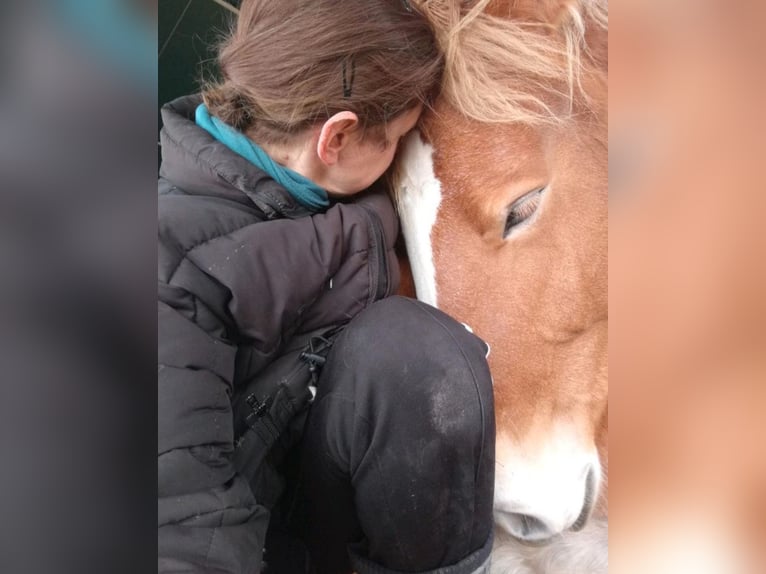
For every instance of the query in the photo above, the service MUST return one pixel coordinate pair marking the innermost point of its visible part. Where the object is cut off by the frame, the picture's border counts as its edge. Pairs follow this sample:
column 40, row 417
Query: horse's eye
column 522, row 209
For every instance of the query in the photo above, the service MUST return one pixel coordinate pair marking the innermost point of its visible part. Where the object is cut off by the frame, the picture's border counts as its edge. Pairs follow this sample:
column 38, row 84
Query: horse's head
column 503, row 200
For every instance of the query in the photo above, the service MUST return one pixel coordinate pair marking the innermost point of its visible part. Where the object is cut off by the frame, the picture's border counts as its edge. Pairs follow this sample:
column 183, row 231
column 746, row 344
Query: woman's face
column 363, row 162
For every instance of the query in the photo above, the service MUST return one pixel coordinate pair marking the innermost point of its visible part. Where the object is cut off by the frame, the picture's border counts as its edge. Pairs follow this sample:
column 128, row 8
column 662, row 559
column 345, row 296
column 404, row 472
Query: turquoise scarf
column 305, row 191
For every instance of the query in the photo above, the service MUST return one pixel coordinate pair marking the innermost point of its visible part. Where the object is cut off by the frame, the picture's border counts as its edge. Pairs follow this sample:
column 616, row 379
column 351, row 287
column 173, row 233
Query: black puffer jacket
column 242, row 269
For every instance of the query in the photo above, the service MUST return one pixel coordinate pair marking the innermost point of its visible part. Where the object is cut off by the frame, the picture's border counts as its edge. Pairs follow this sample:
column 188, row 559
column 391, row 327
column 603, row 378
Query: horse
column 503, row 197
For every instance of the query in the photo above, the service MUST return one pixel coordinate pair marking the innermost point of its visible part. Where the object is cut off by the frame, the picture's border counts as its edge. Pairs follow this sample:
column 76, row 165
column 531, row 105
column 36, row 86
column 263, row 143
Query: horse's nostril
column 526, row 527
column 589, row 500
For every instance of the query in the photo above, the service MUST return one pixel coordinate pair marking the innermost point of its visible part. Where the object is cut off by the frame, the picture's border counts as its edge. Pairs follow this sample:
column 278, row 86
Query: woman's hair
column 289, row 64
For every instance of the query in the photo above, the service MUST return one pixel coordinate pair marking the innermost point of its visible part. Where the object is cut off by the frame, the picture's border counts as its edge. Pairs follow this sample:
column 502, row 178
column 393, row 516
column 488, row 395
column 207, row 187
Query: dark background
column 188, row 31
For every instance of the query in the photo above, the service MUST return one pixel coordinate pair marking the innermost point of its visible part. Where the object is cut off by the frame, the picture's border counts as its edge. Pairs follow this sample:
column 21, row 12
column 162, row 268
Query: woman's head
column 290, row 66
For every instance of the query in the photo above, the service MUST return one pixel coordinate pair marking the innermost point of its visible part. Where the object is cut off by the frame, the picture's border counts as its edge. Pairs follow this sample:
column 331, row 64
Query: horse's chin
column 582, row 552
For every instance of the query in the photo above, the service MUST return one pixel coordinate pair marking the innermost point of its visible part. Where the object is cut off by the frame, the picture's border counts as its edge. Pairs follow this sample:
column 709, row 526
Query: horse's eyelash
column 527, row 205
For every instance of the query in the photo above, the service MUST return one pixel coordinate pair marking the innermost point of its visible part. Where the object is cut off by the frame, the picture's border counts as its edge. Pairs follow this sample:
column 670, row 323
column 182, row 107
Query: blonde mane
column 512, row 69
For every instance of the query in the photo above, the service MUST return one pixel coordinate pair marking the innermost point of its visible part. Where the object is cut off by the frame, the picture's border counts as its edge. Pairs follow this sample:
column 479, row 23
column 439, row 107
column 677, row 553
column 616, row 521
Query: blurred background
column 78, row 168
column 80, row 89
column 687, row 286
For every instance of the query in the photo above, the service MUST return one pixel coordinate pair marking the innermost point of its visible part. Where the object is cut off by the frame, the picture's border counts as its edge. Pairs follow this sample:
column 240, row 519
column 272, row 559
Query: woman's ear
column 334, row 135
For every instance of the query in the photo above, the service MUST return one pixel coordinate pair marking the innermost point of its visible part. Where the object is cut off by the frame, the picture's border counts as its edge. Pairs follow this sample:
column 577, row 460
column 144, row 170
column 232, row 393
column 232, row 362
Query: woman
column 270, row 239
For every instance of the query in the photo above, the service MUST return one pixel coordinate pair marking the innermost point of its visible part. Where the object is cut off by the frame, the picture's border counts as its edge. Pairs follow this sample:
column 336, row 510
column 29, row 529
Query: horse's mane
column 502, row 69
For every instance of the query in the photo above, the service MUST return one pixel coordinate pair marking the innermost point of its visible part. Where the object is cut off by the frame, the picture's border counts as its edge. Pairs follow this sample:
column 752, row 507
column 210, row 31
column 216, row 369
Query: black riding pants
column 397, row 461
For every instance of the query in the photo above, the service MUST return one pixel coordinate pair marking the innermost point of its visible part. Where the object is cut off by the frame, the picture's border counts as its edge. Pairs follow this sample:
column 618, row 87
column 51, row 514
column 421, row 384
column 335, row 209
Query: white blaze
column 419, row 199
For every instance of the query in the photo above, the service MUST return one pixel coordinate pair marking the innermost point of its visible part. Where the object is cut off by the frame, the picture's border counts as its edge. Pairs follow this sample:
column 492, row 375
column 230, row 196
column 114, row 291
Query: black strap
column 269, row 403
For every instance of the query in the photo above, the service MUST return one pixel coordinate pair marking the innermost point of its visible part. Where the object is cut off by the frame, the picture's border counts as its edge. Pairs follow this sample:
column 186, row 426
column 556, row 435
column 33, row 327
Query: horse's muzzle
column 538, row 529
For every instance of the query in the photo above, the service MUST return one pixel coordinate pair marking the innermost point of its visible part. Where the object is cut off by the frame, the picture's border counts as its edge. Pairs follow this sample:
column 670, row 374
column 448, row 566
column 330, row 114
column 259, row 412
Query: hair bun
column 226, row 101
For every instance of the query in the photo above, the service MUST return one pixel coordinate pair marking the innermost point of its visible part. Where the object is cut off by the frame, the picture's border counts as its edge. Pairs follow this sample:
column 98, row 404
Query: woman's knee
column 405, row 362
